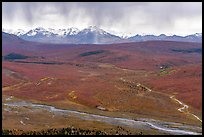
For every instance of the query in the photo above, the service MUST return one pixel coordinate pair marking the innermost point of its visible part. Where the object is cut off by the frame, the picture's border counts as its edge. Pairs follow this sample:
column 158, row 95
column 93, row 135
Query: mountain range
column 92, row 35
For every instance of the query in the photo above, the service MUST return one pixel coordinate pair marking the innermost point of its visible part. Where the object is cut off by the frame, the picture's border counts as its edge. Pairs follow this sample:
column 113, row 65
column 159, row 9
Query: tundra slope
column 63, row 74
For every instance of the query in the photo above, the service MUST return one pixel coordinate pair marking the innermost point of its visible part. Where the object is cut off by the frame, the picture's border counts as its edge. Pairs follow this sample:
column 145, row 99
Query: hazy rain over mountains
column 117, row 18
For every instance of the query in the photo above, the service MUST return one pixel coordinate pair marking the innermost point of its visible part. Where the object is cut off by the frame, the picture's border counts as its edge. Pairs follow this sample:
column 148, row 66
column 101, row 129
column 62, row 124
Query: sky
column 120, row 18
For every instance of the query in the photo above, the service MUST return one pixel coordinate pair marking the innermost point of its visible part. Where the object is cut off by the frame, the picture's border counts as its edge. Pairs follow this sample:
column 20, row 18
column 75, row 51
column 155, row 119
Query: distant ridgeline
column 92, row 35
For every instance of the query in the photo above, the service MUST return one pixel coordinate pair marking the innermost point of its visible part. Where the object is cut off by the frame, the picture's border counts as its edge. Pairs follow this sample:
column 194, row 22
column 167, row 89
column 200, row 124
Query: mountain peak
column 72, row 31
column 198, row 34
column 162, row 35
column 39, row 29
column 17, row 32
column 94, row 29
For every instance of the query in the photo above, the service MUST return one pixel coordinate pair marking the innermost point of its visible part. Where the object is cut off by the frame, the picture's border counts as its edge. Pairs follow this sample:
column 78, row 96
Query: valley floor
column 131, row 89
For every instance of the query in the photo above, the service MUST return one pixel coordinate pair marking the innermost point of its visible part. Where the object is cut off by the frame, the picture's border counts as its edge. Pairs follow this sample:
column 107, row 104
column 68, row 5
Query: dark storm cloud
column 124, row 17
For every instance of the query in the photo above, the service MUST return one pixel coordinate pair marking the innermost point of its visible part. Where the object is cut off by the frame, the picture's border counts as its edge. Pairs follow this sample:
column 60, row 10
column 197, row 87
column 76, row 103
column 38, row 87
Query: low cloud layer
column 119, row 18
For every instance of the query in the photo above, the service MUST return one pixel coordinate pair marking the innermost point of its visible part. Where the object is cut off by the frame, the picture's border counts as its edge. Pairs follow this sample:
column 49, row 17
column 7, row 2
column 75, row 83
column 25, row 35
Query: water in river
column 139, row 123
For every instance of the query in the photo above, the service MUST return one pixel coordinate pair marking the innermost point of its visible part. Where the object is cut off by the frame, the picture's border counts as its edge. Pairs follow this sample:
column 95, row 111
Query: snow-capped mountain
column 64, row 32
column 38, row 31
column 15, row 32
column 92, row 35
column 94, row 29
column 95, row 35
column 197, row 37
column 198, row 34
column 45, row 32
column 38, row 34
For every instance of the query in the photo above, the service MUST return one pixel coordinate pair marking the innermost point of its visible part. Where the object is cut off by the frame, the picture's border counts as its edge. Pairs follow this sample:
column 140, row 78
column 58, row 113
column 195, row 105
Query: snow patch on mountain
column 93, row 34
column 198, row 34
column 64, row 32
column 94, row 29
column 17, row 32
